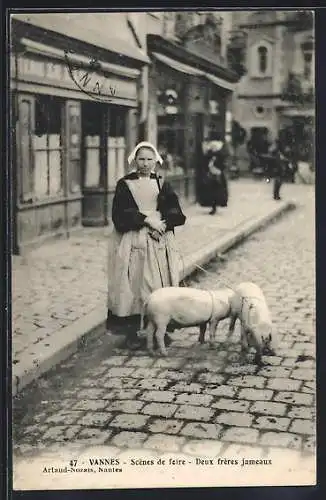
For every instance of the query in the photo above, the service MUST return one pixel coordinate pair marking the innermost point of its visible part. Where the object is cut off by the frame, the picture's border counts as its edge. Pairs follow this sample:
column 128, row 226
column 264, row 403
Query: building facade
column 189, row 92
column 75, row 100
column 277, row 92
column 82, row 98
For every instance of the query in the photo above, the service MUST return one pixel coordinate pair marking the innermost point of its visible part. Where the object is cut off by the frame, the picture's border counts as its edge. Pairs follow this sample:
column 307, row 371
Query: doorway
column 94, row 159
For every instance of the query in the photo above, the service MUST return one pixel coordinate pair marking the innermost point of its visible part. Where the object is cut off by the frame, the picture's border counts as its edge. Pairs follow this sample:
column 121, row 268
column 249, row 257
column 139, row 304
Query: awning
column 64, row 24
column 178, row 66
column 184, row 68
column 220, row 82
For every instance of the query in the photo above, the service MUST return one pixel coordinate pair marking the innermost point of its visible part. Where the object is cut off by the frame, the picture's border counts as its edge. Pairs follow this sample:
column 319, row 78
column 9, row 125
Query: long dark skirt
column 214, row 192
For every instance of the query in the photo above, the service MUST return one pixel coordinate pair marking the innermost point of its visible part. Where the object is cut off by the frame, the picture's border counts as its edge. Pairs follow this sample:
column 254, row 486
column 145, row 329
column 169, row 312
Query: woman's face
column 145, row 160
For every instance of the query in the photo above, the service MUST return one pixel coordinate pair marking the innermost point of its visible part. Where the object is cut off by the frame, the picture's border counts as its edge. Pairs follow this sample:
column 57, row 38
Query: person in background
column 278, row 171
column 216, row 166
column 167, row 164
column 290, row 155
column 142, row 252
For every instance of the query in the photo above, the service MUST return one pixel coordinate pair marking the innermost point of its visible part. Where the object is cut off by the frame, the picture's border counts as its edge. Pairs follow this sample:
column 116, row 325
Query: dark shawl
column 126, row 215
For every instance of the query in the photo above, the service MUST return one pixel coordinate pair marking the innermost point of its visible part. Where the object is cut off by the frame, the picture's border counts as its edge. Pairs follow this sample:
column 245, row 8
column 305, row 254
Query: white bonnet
column 148, row 145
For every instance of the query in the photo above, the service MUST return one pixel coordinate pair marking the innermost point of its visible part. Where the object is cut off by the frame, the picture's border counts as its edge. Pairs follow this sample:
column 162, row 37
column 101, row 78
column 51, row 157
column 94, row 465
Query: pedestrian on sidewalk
column 216, row 159
column 142, row 251
column 278, row 171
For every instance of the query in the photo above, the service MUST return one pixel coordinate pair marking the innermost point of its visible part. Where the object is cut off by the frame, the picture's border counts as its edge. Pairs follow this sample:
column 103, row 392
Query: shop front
column 296, row 133
column 187, row 105
column 74, row 117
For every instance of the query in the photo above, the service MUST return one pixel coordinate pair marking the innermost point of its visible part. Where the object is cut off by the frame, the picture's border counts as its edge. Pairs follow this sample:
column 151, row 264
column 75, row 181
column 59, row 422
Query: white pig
column 248, row 304
column 183, row 306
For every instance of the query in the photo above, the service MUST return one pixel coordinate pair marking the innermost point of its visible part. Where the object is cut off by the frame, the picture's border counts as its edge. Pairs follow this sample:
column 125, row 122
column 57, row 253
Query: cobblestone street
column 65, row 280
column 198, row 401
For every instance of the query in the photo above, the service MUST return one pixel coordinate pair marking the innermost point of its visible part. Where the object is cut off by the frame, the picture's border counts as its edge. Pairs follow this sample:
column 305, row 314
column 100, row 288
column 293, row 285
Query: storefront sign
column 96, row 85
column 54, row 70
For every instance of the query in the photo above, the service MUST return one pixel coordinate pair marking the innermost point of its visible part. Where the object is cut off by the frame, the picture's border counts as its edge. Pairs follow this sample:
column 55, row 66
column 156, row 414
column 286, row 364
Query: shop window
column 171, row 132
column 104, row 131
column 259, row 142
column 116, row 145
column 47, row 148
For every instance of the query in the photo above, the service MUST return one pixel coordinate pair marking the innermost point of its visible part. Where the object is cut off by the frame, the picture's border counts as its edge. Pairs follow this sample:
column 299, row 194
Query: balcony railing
column 298, row 91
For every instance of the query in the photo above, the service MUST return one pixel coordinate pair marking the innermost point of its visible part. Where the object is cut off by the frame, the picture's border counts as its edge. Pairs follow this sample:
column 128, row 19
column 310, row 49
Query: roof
column 71, row 26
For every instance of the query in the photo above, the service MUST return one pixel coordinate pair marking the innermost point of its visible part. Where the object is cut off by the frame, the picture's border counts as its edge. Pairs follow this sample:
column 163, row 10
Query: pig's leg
column 244, row 341
column 233, row 319
column 212, row 331
column 244, row 338
column 258, row 356
column 150, row 337
column 160, row 333
column 202, row 329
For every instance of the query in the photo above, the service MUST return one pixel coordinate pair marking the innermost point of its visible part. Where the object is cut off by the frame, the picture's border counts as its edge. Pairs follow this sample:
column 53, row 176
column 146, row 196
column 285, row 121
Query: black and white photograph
column 163, row 248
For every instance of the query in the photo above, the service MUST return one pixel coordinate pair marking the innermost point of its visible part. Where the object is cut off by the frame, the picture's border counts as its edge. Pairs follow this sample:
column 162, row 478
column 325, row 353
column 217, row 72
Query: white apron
column 138, row 264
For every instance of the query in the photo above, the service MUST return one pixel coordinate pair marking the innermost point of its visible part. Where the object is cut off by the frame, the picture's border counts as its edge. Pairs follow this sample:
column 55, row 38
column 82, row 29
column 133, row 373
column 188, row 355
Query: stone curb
column 70, row 339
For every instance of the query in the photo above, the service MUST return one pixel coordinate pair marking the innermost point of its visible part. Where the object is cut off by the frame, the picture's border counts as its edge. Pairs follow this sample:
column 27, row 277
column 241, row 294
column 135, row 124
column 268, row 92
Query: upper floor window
column 307, row 57
column 307, row 48
column 261, row 60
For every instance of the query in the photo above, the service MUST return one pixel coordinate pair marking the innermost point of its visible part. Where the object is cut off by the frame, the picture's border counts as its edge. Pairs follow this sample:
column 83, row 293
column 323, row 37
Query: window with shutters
column 48, row 148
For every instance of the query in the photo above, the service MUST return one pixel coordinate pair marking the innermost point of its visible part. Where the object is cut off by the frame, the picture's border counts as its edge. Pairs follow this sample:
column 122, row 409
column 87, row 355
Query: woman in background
column 142, row 251
column 216, row 166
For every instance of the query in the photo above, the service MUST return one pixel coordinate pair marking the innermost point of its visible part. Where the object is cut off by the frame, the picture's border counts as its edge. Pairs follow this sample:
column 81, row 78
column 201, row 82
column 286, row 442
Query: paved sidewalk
column 59, row 290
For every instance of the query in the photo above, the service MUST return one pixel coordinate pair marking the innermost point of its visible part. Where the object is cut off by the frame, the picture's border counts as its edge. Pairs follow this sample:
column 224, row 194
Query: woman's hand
column 156, row 223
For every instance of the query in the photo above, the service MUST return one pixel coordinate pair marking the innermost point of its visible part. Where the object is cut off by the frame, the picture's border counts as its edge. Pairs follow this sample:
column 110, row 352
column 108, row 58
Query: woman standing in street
column 142, row 251
column 217, row 183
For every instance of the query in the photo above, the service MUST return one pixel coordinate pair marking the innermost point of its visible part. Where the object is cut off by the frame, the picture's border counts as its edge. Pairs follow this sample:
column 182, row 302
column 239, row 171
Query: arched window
column 262, row 58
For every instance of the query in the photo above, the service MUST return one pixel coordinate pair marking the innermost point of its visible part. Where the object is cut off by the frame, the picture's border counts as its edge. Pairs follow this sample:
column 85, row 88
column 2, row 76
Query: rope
column 243, row 299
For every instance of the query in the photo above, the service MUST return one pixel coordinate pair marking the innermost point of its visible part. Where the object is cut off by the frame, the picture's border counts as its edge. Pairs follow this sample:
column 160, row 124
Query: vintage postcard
column 163, row 260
